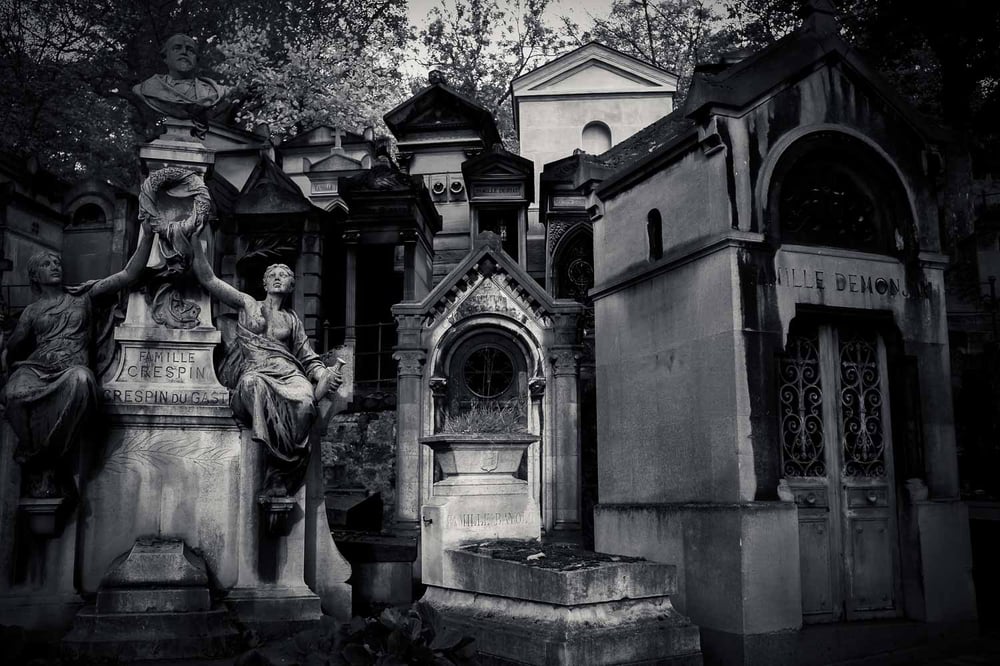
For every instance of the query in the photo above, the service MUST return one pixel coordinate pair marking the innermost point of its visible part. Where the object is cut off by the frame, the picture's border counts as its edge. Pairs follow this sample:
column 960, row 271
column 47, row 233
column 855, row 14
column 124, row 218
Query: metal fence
column 374, row 367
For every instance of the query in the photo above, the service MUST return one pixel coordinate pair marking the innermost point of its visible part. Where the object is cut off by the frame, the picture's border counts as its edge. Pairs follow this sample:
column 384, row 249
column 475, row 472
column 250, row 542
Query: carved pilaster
column 410, row 362
column 565, row 361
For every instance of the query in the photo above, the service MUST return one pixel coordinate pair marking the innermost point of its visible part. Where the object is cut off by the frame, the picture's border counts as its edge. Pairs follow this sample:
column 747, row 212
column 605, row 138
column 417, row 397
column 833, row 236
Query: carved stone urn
column 479, row 463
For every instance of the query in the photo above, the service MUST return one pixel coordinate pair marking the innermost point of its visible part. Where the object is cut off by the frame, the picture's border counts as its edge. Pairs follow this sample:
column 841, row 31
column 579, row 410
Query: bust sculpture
column 51, row 394
column 275, row 377
column 180, row 93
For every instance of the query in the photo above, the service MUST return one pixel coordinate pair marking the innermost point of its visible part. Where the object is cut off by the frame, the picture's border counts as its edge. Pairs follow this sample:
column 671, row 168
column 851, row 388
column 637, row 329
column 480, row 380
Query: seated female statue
column 51, row 393
column 271, row 369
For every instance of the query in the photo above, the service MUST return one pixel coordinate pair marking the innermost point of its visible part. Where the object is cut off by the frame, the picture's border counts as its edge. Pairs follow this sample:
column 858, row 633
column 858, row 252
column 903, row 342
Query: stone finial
column 383, row 149
column 490, row 239
column 437, row 76
column 820, row 17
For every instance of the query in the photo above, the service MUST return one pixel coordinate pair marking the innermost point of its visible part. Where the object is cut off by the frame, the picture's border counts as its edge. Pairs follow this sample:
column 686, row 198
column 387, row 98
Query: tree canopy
column 67, row 66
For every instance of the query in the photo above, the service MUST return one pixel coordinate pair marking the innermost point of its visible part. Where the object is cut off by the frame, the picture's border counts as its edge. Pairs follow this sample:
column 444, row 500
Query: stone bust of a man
column 180, row 93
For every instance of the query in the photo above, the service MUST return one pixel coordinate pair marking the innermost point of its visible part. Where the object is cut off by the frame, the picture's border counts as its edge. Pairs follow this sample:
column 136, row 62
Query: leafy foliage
column 675, row 35
column 483, row 45
column 394, row 638
column 487, row 416
column 67, row 68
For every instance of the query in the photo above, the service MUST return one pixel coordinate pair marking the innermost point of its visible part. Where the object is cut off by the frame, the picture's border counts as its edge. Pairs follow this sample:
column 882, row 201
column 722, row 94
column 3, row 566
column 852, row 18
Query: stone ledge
column 142, row 636
column 514, row 631
column 597, row 583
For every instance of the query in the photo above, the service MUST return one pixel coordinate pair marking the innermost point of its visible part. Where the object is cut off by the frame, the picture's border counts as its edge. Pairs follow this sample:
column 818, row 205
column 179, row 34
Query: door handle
column 872, row 497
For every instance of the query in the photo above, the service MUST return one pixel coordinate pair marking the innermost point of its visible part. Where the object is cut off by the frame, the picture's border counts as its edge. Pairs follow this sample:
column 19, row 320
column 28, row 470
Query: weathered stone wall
column 359, row 451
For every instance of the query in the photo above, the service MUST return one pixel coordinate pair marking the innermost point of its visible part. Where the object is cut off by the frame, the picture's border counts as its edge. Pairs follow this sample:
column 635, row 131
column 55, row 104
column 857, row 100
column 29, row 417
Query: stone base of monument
column 275, row 612
column 153, row 603
column 583, row 612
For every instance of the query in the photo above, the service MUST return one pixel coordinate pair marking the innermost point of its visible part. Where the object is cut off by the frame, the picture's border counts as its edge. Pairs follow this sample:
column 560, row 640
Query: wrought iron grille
column 801, row 397
column 863, row 440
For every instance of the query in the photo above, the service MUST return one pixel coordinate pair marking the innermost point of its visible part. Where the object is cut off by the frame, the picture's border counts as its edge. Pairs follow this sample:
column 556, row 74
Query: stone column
column 564, row 452
column 409, row 240
column 350, row 285
column 310, row 268
column 409, row 389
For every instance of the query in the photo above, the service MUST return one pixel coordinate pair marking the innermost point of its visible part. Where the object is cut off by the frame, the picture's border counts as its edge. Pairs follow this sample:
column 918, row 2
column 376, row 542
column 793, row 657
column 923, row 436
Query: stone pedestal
column 172, row 449
column 153, row 603
column 478, row 499
column 589, row 610
column 37, row 589
column 270, row 596
column 601, row 613
column 738, row 572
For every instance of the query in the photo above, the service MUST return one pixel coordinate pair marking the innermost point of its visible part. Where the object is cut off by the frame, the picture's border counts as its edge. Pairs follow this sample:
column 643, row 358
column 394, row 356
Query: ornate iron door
column 837, row 458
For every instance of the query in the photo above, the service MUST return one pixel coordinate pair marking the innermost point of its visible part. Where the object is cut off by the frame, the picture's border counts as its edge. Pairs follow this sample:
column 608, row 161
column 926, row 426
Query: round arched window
column 832, row 189
column 596, row 138
column 488, row 371
column 89, row 213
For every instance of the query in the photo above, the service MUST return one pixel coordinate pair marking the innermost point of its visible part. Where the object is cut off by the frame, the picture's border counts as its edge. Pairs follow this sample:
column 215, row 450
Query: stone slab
column 275, row 612
column 180, row 480
column 177, row 600
column 644, row 631
column 599, row 583
column 154, row 561
column 149, row 636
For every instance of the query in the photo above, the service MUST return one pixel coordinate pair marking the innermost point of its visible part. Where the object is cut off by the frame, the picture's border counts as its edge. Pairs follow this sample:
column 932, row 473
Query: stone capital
column 439, row 386
column 410, row 362
column 564, row 360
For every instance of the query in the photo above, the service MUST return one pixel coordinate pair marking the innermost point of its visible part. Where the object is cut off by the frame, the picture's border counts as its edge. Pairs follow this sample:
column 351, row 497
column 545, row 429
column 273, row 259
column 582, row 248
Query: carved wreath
column 175, row 236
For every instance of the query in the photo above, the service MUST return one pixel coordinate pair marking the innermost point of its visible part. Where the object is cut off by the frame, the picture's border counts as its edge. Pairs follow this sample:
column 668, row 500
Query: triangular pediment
column 270, row 191
column 440, row 108
column 488, row 283
column 595, row 76
column 594, row 68
column 323, row 135
column 338, row 161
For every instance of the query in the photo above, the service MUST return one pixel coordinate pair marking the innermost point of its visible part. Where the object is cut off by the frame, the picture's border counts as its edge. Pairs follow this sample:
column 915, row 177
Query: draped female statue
column 271, row 369
column 51, row 394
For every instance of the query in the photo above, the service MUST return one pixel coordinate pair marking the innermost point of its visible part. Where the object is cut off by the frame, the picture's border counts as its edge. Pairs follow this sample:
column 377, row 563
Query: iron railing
column 374, row 367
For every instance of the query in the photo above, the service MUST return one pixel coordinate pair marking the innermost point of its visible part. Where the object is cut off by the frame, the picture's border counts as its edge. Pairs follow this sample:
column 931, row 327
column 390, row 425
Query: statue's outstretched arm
column 213, row 285
column 133, row 268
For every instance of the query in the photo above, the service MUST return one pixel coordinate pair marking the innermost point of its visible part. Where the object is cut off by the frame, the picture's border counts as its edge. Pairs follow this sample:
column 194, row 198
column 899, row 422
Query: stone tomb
column 600, row 610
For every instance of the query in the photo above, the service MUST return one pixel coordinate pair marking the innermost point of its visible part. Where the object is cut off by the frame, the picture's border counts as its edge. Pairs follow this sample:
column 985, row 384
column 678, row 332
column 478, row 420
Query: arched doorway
column 832, row 399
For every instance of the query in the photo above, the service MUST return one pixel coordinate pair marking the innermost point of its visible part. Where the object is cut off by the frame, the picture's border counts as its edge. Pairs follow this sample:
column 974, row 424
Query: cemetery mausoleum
column 699, row 350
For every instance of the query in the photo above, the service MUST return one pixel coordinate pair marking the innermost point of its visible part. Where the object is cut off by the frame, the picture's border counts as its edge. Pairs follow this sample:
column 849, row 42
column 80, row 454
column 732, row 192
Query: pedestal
column 37, row 589
column 479, row 498
column 270, row 596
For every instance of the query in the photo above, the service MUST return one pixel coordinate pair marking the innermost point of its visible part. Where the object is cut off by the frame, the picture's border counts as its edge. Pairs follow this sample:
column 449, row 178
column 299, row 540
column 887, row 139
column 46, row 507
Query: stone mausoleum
column 718, row 332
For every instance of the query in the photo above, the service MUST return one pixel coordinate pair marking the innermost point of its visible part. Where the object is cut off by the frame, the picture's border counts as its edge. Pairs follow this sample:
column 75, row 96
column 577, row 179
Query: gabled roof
column 321, row 136
column 439, row 107
column 499, row 163
column 337, row 161
column 593, row 69
column 741, row 85
column 270, row 191
column 489, row 267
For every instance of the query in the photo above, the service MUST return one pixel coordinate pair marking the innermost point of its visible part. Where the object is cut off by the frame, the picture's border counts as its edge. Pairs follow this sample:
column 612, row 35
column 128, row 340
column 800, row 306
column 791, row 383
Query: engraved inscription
column 855, row 283
column 486, row 519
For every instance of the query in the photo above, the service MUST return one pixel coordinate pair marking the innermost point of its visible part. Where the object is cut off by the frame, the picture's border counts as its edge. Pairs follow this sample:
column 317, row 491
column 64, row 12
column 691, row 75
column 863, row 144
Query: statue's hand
column 327, row 382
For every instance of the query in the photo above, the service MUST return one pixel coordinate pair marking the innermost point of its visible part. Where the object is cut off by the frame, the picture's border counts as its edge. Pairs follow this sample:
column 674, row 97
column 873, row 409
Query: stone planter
column 44, row 514
column 277, row 514
column 479, row 463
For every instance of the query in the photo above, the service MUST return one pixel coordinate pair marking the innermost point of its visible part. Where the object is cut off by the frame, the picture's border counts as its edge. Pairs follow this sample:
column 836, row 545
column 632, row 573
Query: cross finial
column 820, row 17
column 338, row 137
